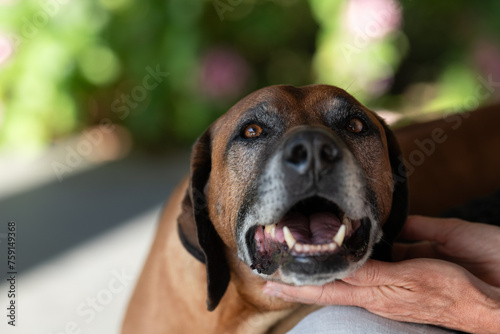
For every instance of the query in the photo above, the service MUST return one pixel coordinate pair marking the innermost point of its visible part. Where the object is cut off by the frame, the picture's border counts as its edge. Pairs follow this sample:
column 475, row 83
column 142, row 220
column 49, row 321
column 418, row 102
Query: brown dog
column 297, row 185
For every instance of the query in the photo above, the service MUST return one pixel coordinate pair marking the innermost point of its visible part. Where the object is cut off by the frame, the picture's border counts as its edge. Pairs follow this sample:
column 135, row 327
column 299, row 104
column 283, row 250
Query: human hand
column 424, row 291
column 474, row 246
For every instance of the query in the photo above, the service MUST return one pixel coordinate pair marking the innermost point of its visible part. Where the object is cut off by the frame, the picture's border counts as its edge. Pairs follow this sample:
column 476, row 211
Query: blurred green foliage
column 66, row 65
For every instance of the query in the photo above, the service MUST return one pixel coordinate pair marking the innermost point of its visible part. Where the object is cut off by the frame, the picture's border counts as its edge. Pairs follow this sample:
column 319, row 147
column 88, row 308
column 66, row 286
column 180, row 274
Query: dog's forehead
column 285, row 97
column 296, row 105
column 289, row 101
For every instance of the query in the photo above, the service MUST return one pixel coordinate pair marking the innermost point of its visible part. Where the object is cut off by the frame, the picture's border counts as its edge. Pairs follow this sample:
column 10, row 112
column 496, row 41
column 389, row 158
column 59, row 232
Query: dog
column 295, row 185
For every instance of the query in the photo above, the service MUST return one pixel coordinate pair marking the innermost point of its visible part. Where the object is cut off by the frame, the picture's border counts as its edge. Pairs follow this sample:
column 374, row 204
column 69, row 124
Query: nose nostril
column 329, row 153
column 298, row 154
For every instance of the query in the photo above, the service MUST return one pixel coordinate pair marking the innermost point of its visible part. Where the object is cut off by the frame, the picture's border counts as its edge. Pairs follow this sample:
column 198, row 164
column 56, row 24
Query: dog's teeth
column 332, row 246
column 307, row 248
column 271, row 229
column 339, row 237
column 290, row 240
column 348, row 225
column 298, row 247
column 267, row 228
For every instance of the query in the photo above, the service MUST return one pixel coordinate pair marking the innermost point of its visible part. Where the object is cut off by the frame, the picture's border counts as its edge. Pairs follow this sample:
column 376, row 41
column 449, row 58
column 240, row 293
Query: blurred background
column 100, row 101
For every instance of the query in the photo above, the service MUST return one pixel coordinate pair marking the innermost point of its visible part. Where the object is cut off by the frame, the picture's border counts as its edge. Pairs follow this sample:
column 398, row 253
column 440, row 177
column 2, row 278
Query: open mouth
column 313, row 230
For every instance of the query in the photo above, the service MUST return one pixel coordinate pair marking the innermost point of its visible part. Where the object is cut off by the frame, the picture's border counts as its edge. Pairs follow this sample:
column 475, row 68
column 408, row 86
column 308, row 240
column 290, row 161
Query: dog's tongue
column 318, row 228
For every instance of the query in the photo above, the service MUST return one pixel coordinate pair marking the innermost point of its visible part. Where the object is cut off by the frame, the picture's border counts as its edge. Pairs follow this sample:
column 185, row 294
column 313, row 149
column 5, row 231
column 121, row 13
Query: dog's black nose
column 311, row 150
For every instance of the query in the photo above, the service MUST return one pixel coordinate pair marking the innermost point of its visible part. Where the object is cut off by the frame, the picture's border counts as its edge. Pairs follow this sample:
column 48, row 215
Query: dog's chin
column 314, row 242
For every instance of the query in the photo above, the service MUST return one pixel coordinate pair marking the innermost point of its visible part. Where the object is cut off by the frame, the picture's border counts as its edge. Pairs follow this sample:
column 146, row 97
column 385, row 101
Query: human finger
column 418, row 228
column 334, row 293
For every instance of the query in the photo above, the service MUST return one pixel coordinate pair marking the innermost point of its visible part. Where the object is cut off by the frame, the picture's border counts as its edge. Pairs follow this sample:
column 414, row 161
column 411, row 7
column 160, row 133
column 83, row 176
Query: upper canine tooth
column 339, row 237
column 290, row 240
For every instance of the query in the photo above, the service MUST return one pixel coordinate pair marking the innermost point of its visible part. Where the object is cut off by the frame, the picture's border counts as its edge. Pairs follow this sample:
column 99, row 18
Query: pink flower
column 6, row 49
column 224, row 73
column 373, row 18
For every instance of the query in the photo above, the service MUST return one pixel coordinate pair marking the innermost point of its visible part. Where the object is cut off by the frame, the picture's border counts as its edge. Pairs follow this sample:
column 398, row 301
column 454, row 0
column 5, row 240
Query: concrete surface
column 80, row 243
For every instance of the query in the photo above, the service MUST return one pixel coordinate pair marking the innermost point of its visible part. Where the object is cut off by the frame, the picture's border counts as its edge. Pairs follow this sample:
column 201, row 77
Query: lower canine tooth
column 290, row 240
column 339, row 237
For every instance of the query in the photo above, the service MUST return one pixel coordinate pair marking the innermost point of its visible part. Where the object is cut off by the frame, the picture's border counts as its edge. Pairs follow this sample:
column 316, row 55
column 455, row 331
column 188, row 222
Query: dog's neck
column 238, row 311
column 171, row 293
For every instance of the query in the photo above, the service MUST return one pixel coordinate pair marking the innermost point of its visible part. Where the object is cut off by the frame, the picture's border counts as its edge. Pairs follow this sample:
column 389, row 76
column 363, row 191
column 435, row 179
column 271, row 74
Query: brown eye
column 252, row 131
column 355, row 125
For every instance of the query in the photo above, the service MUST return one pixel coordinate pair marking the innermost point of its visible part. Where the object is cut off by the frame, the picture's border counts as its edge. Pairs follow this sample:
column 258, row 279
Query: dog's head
column 303, row 185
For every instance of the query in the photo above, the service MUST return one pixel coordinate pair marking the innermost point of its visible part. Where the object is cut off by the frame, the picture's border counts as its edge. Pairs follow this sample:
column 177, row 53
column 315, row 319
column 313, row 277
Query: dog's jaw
column 268, row 207
column 320, row 279
column 275, row 199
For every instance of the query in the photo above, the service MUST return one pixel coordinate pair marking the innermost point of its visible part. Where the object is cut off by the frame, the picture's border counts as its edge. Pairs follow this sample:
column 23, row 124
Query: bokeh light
column 99, row 65
column 6, row 49
column 224, row 74
column 64, row 63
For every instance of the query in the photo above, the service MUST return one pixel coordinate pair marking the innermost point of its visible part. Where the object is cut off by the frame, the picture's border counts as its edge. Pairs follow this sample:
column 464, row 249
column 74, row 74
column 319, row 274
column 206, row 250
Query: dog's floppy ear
column 196, row 231
column 399, row 209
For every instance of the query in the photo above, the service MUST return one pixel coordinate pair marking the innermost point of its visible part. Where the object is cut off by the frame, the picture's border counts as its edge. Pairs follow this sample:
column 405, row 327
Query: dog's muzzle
column 311, row 219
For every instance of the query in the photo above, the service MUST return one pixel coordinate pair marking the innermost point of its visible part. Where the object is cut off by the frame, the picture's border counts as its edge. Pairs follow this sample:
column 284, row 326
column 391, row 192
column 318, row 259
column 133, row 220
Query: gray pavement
column 77, row 237
column 57, row 216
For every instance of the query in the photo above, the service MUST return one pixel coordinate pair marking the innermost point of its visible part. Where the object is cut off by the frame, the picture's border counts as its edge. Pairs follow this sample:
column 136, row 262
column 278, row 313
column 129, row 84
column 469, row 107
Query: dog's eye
column 252, row 131
column 355, row 125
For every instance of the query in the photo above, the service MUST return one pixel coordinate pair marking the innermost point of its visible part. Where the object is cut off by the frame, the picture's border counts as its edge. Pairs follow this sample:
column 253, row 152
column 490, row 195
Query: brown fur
column 171, row 292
